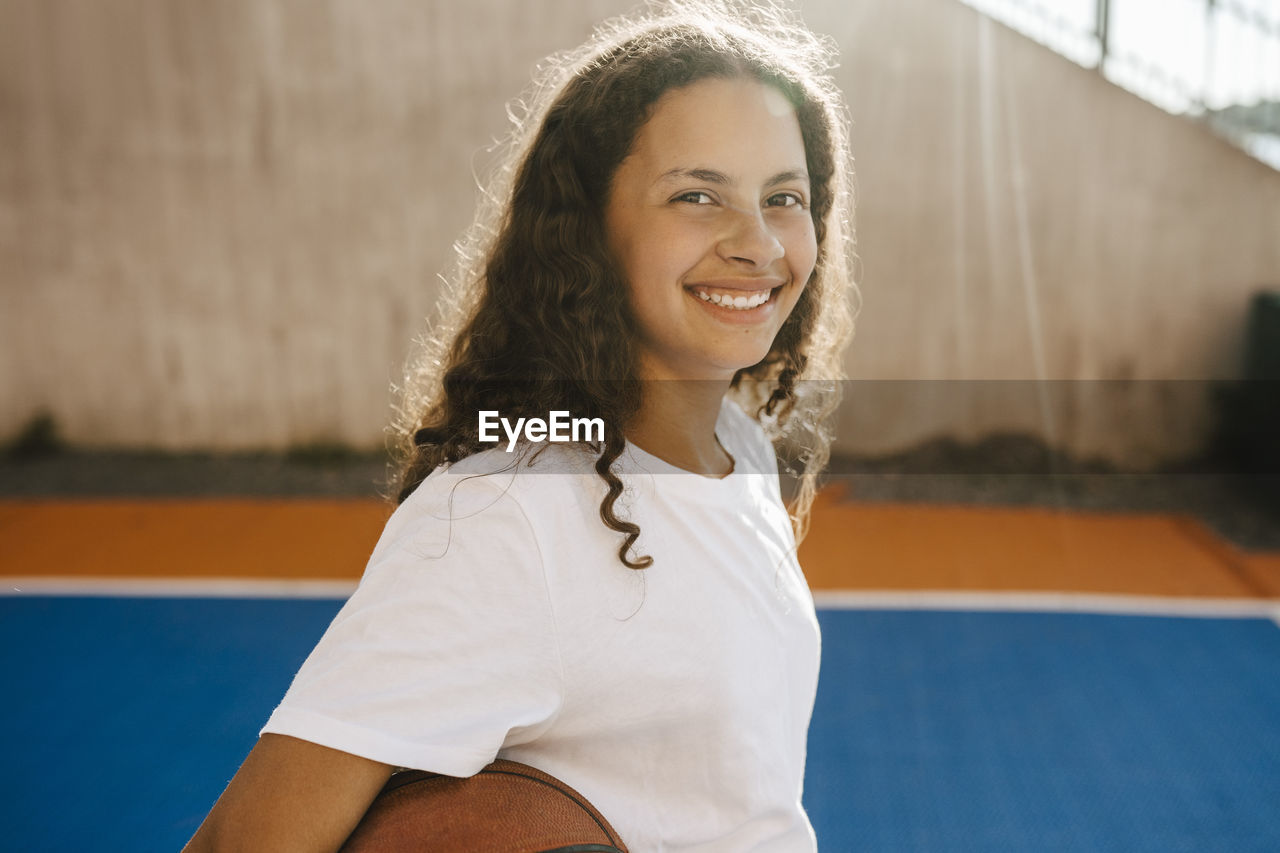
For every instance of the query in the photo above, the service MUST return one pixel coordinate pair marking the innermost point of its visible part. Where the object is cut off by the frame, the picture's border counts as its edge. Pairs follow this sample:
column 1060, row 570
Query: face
column 709, row 219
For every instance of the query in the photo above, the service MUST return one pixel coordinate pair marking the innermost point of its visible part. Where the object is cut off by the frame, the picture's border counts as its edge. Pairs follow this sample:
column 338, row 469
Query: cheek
column 802, row 249
column 663, row 253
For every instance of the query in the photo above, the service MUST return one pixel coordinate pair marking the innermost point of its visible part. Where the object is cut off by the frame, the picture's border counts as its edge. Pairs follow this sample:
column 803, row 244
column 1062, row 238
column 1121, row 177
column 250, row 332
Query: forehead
column 738, row 126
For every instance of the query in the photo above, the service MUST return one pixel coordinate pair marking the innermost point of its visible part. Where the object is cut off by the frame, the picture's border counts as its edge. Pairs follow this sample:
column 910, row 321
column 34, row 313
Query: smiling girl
column 667, row 251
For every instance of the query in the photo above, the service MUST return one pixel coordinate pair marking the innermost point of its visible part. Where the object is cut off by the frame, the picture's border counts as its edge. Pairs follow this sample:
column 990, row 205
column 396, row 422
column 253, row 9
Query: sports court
column 1012, row 678
column 222, row 224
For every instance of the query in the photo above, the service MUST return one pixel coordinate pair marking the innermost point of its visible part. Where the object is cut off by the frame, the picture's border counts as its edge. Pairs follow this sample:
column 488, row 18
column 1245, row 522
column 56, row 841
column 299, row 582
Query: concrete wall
column 1021, row 218
column 220, row 224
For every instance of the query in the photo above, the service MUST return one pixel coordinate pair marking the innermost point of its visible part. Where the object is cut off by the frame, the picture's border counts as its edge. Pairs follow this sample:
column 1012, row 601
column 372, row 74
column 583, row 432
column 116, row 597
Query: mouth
column 735, row 300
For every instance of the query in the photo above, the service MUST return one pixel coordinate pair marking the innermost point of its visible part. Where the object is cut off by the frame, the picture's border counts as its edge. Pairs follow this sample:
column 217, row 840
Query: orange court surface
column 850, row 546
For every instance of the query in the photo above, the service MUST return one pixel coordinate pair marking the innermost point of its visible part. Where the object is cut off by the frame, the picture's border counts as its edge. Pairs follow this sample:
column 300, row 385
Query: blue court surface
column 933, row 730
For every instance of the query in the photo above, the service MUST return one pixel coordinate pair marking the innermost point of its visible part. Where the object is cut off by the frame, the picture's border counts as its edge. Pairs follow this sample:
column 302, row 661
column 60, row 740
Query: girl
column 668, row 256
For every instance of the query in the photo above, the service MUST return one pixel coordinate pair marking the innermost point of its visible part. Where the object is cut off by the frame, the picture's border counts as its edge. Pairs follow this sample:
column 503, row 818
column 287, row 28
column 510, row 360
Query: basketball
column 507, row 807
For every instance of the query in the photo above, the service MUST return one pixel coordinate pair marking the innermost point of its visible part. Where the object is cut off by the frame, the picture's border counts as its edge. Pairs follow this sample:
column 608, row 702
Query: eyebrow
column 711, row 176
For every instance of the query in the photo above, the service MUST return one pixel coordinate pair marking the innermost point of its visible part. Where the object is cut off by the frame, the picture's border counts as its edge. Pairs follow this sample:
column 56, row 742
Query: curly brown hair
column 537, row 316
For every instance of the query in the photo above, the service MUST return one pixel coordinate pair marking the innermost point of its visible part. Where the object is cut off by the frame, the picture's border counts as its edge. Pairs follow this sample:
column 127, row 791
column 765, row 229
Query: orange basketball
column 507, row 807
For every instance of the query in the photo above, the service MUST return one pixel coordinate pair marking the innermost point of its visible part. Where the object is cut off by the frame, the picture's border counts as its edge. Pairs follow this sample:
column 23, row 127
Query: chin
column 745, row 362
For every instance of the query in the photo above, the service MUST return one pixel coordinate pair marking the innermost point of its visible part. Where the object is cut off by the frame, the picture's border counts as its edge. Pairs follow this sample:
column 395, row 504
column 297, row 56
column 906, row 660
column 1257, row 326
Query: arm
column 291, row 795
column 455, row 587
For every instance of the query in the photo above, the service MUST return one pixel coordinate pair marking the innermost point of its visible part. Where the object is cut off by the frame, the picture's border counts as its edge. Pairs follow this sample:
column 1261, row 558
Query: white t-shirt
column 495, row 620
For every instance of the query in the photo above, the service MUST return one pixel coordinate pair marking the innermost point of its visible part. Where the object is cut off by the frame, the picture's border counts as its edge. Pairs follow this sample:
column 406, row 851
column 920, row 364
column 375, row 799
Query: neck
column 677, row 424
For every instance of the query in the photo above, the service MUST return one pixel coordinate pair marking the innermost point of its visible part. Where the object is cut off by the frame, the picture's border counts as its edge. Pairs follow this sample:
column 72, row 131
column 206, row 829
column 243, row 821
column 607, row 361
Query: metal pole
column 1103, row 16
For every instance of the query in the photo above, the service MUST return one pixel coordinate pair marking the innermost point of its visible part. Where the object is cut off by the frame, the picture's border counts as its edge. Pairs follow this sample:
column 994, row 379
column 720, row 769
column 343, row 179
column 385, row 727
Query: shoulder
column 453, row 525
column 528, row 468
column 495, row 494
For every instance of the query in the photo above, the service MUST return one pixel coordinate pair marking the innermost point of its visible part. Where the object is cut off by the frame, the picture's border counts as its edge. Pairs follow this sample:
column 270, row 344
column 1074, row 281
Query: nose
column 748, row 239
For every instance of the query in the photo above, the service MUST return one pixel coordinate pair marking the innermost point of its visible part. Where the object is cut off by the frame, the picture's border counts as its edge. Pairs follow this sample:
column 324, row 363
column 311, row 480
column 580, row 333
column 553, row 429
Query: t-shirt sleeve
column 447, row 651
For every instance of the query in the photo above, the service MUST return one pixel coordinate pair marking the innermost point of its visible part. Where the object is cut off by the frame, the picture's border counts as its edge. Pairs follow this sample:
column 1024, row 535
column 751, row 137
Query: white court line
column 176, row 587
column 1030, row 602
column 1049, row 602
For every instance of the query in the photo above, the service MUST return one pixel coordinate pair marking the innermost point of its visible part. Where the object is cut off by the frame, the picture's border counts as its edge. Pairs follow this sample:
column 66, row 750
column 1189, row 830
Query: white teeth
column 738, row 303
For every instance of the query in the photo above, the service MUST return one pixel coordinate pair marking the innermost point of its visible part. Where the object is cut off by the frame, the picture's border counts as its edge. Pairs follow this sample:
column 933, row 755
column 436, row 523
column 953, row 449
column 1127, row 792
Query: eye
column 788, row 199
column 695, row 197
